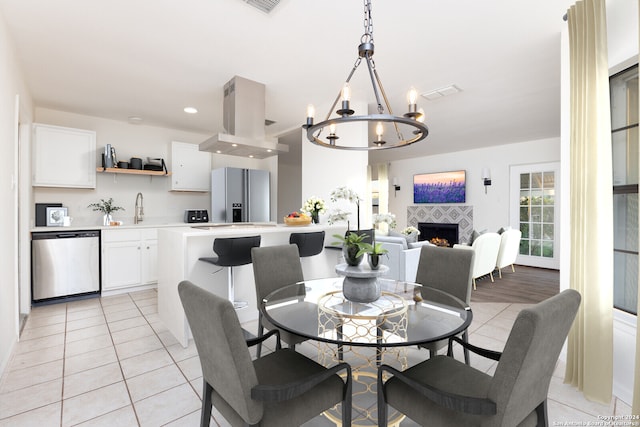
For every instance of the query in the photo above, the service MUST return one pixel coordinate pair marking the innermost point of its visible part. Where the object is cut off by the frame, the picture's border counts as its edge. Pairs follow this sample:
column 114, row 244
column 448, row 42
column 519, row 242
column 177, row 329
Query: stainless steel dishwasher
column 64, row 264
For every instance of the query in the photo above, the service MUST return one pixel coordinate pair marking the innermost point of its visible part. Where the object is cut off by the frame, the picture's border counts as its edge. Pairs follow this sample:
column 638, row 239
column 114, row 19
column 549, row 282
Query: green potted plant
column 351, row 245
column 374, row 252
column 106, row 207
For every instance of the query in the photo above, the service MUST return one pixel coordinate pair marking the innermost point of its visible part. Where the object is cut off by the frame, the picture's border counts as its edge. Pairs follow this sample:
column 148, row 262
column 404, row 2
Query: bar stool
column 232, row 252
column 309, row 244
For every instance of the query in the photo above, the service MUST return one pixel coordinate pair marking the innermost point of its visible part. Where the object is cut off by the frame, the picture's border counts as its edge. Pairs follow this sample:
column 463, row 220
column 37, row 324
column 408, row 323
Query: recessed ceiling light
column 135, row 120
column 251, row 155
column 218, row 151
column 269, row 150
column 234, row 145
column 190, row 110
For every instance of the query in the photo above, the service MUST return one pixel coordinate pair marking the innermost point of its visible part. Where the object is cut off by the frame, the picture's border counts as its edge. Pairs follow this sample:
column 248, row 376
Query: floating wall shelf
column 134, row 171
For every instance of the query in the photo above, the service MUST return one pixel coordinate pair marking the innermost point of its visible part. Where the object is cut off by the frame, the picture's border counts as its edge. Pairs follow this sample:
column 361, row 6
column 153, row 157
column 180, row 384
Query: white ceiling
column 151, row 58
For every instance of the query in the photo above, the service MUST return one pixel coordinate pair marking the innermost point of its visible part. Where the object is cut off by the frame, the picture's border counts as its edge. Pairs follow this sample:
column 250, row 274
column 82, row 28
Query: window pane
column 625, row 282
column 536, row 248
column 524, row 247
column 524, row 180
column 624, row 98
column 549, row 197
column 536, row 232
column 536, row 197
column 549, row 180
column 547, row 214
column 536, row 214
column 525, row 199
column 625, row 156
column 524, row 214
column 625, row 222
column 524, row 228
column 547, row 249
column 536, row 180
column 547, row 232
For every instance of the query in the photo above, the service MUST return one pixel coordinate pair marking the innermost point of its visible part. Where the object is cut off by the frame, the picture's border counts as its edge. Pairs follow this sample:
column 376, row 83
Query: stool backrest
column 234, row 251
column 309, row 244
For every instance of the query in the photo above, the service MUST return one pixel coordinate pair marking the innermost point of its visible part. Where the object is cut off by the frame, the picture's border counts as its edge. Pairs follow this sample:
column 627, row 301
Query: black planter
column 350, row 252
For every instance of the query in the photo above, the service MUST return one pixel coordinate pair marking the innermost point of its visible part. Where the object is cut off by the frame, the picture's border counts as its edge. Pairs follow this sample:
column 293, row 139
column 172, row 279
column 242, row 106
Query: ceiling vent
column 264, row 5
column 439, row 93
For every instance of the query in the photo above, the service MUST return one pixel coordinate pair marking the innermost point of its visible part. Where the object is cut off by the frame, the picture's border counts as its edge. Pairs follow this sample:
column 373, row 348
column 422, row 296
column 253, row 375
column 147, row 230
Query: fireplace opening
column 438, row 233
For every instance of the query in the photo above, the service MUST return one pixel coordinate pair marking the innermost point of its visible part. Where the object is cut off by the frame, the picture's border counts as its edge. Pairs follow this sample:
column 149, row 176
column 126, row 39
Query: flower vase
column 350, row 252
column 106, row 219
column 374, row 261
column 315, row 217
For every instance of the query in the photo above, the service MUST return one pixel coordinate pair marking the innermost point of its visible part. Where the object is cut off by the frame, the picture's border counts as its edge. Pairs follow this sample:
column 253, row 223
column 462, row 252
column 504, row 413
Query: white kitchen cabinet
column 129, row 258
column 63, row 157
column 191, row 167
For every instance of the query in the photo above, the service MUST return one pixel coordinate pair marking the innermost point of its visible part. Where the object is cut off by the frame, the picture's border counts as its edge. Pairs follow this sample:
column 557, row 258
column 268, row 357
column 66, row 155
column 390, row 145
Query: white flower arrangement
column 345, row 193
column 337, row 215
column 410, row 230
column 387, row 218
column 314, row 204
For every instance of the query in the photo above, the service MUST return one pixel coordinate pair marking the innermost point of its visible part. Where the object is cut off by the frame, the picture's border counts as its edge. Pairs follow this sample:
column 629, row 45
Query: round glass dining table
column 405, row 314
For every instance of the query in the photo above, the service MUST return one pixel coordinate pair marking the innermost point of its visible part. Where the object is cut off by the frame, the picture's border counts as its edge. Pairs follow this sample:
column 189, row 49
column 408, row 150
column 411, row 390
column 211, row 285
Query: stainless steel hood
column 244, row 122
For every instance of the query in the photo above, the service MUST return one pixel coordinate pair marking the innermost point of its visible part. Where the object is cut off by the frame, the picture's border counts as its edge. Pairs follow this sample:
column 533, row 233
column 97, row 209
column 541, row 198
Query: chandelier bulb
column 311, row 111
column 346, row 92
column 379, row 130
column 412, row 96
column 332, row 129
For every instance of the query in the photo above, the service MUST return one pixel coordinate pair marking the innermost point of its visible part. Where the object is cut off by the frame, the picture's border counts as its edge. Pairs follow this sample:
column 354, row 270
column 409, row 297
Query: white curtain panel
column 590, row 344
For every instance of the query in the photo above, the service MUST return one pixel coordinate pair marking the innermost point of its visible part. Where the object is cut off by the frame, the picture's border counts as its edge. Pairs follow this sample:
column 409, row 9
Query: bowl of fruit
column 297, row 219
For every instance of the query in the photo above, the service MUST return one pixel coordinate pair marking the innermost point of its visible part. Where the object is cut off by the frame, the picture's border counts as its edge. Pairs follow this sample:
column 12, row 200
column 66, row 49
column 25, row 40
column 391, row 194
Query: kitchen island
column 179, row 249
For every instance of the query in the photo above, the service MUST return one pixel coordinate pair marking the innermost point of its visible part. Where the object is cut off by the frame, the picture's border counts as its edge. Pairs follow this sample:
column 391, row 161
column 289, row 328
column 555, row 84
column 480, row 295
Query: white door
column 535, row 210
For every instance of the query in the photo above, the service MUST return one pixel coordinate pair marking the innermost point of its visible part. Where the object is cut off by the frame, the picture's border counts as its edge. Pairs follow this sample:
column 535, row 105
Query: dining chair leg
column 340, row 346
column 205, row 414
column 500, row 273
column 260, row 334
column 382, row 402
column 474, row 284
column 541, row 412
column 465, row 338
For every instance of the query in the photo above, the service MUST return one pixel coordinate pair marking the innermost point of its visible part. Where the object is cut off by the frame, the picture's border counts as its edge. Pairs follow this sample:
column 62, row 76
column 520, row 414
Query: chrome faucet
column 139, row 211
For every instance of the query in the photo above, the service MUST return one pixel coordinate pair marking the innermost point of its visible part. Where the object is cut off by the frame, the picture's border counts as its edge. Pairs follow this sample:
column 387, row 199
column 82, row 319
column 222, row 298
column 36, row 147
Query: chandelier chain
column 367, row 37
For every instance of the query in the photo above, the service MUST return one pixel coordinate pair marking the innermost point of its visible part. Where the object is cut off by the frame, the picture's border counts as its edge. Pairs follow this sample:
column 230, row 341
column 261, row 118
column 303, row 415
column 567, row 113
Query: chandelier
column 412, row 121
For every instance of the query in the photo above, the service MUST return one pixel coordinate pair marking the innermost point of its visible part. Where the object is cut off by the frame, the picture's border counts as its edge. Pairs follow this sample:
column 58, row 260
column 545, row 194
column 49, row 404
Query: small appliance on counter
column 196, row 215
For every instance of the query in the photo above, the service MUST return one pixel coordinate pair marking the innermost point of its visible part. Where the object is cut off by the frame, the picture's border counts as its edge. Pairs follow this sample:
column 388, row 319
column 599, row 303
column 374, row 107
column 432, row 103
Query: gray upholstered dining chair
column 273, row 268
column 449, row 270
column 283, row 388
column 445, row 392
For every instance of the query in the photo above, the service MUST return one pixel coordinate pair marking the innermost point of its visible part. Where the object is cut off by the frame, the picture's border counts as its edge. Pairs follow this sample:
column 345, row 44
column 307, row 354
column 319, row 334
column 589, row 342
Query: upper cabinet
column 191, row 167
column 63, row 157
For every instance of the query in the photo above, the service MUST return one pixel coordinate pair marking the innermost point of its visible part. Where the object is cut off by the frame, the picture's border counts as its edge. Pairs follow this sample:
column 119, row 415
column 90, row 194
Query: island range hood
column 243, row 112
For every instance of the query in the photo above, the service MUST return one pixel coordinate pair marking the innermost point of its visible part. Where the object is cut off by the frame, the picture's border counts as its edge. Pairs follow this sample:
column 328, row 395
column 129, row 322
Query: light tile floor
column 110, row 361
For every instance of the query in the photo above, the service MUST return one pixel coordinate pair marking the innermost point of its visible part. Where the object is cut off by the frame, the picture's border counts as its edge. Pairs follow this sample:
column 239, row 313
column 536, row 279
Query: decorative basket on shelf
column 297, row 221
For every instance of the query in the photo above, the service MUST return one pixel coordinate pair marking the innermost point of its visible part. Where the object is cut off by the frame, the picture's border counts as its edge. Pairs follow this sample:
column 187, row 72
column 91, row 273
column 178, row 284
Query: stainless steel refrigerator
column 240, row 195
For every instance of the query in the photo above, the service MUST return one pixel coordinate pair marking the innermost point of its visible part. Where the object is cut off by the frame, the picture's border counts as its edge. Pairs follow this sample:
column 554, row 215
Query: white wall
column 324, row 169
column 11, row 85
column 491, row 210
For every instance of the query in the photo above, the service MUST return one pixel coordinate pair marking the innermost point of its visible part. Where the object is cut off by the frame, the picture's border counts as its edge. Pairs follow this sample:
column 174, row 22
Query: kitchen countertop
column 150, row 224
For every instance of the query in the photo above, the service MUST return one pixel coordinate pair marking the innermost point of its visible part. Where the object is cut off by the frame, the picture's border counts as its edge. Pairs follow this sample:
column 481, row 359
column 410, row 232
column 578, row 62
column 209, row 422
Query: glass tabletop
column 405, row 314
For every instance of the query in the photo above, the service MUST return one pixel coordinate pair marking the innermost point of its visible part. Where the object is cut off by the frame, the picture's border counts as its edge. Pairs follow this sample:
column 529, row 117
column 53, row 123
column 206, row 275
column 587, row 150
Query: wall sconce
column 486, row 178
column 396, row 187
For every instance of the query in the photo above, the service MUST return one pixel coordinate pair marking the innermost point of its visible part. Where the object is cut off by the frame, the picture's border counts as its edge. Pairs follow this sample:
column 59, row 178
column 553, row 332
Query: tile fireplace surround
column 454, row 214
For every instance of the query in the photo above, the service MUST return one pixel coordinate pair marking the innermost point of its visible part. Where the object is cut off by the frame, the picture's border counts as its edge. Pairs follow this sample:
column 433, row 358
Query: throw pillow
column 412, row 238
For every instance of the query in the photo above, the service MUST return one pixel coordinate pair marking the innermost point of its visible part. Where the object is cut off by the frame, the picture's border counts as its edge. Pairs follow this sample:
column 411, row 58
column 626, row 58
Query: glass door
column 535, row 212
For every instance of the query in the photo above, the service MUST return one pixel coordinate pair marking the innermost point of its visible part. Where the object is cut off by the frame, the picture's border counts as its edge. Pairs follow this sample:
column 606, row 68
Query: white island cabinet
column 179, row 249
column 63, row 157
column 191, row 167
column 129, row 260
